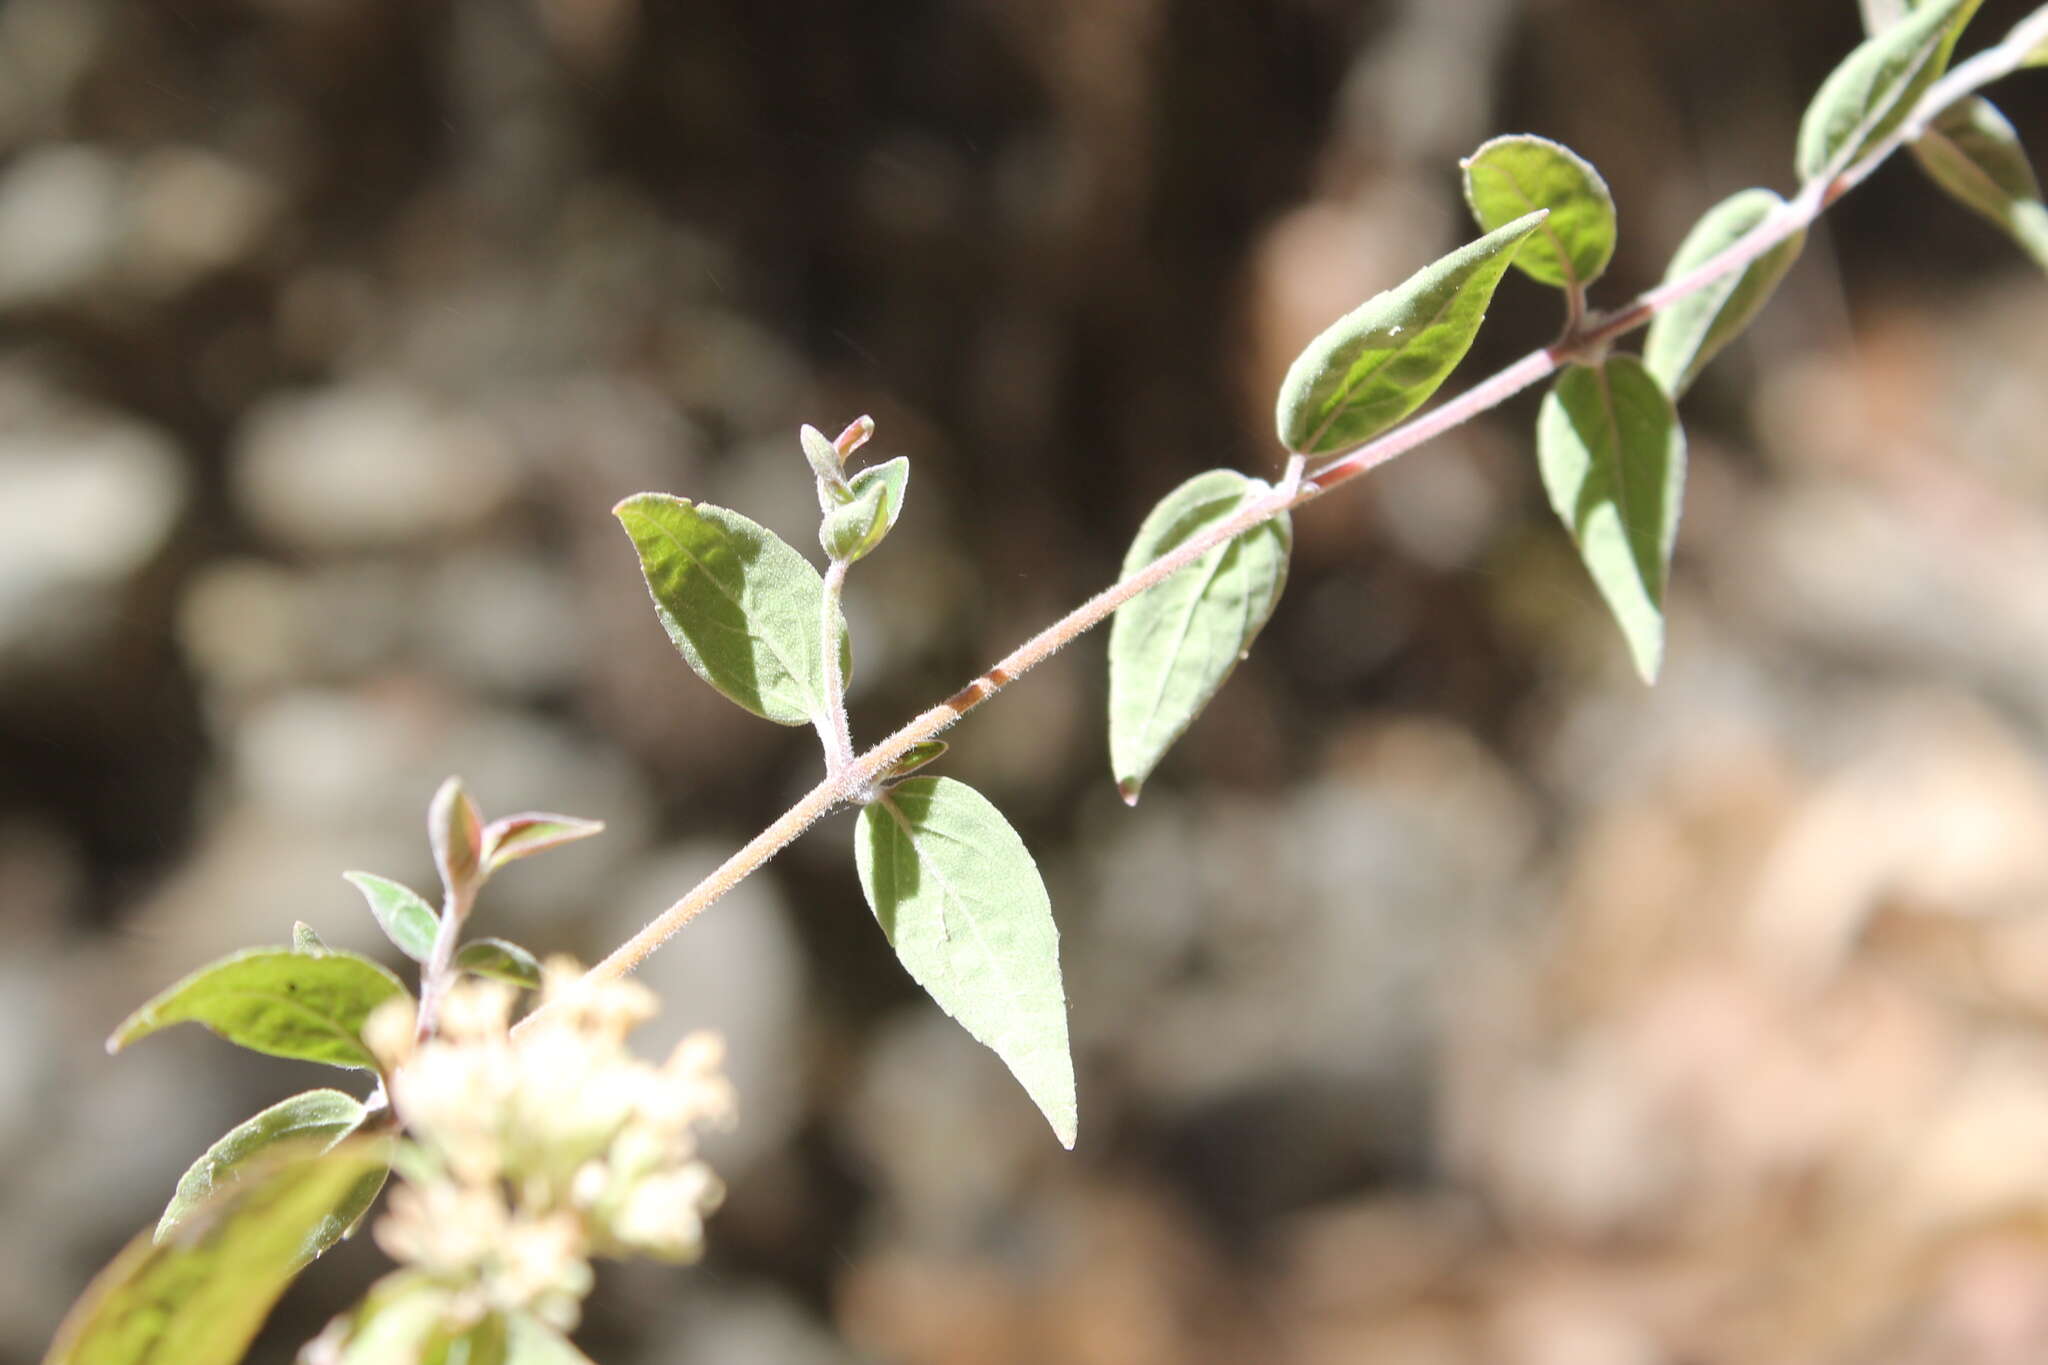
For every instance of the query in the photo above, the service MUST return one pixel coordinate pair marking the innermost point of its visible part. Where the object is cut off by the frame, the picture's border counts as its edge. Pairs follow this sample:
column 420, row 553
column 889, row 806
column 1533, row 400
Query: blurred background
column 1449, row 998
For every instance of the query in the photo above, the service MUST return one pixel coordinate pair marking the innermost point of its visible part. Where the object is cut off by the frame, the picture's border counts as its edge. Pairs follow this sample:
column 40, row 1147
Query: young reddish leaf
column 456, row 829
column 404, row 916
column 276, row 1001
column 522, row 836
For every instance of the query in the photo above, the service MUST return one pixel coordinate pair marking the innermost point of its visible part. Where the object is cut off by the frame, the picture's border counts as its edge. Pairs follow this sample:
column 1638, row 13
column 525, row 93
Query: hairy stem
column 832, row 726
column 439, row 972
column 1588, row 337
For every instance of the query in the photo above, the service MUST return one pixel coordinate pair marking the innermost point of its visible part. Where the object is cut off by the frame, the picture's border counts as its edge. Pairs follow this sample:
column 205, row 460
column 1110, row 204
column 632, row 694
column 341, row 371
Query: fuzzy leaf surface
column 875, row 501
column 513, row 837
column 499, row 960
column 1613, row 461
column 1972, row 152
column 740, row 604
column 199, row 1297
column 1510, row 177
column 960, row 900
column 1688, row 334
column 1383, row 360
column 278, row 1001
column 325, row 1115
column 1172, row 648
column 1873, row 89
column 401, row 912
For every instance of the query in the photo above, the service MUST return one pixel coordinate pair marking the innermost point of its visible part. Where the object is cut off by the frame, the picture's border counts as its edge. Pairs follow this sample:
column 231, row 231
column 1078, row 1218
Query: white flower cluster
column 538, row 1149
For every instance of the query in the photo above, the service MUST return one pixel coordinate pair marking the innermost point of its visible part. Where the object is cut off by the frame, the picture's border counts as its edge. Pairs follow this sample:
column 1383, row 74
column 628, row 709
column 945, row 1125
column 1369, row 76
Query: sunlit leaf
column 274, row 1000
column 875, row 501
column 915, row 757
column 1688, row 334
column 959, row 898
column 1171, row 648
column 1613, row 462
column 1380, row 362
column 739, row 603
column 1972, row 152
column 1510, row 177
column 199, row 1297
column 1874, row 88
column 328, row 1115
column 404, row 916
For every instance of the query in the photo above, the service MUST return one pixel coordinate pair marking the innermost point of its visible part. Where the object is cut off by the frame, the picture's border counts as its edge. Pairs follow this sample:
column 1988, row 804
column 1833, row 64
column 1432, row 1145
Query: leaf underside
column 1972, row 152
column 1172, row 648
column 1874, row 87
column 960, row 900
column 1613, row 462
column 1688, row 334
column 326, row 1115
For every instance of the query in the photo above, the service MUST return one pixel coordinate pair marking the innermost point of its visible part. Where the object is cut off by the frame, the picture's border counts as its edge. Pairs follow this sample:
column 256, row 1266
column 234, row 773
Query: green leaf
column 1613, row 461
column 1381, row 361
column 500, row 960
column 1688, row 334
column 1972, row 152
column 1867, row 96
column 960, row 900
column 276, row 1001
column 740, row 604
column 876, row 500
column 404, row 916
column 200, row 1297
column 915, row 757
column 304, row 940
column 1510, row 177
column 1170, row 649
column 825, row 462
column 328, row 1115
column 522, row 836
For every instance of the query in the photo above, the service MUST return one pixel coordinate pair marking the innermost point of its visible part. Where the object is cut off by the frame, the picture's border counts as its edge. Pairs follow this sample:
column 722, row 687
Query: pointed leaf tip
column 961, row 901
column 1383, row 360
column 1173, row 647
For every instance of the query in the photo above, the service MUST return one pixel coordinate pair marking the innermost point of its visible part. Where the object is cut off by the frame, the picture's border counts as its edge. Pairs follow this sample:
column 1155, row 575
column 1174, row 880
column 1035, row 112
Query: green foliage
column 1972, row 152
column 1510, row 177
column 874, row 501
column 500, row 960
column 1171, row 648
column 1867, row 96
column 304, row 940
column 199, row 1297
column 916, row 757
column 960, row 900
column 521, row 836
column 739, row 603
column 328, row 1115
column 404, row 916
column 1380, row 362
column 1613, row 462
column 1685, row 336
column 275, row 1000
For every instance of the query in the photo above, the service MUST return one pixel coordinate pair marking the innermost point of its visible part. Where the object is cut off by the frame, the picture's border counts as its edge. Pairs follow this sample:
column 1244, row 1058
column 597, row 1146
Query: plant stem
column 439, row 972
column 832, row 726
column 854, row 776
